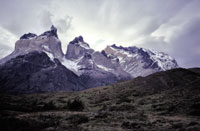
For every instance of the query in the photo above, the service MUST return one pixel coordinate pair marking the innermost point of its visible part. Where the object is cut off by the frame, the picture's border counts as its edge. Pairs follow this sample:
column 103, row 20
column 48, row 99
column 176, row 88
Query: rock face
column 77, row 48
column 35, row 72
column 93, row 66
column 47, row 42
column 140, row 61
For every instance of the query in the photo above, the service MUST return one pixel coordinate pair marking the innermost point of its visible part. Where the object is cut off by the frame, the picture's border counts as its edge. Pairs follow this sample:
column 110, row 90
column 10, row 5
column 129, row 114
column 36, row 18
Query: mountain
column 79, row 69
column 35, row 66
column 93, row 66
column 80, row 63
column 47, row 42
column 163, row 101
column 139, row 61
column 35, row 72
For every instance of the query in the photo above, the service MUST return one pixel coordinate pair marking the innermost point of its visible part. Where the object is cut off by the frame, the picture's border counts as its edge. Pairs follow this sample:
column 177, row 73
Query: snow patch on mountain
column 72, row 65
column 104, row 68
column 164, row 61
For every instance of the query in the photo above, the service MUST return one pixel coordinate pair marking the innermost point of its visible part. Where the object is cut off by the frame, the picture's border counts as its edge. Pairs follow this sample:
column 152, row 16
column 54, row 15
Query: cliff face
column 47, row 42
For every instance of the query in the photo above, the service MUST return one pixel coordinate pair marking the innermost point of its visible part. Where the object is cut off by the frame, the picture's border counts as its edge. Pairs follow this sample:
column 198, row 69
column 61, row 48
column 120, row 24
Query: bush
column 75, row 105
column 49, row 106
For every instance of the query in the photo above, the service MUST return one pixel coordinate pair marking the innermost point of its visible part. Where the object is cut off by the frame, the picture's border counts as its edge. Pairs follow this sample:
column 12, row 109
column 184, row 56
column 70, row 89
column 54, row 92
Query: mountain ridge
column 93, row 68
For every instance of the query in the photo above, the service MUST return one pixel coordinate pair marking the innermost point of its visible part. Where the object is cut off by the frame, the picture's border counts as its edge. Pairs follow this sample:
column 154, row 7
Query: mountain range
column 38, row 64
column 42, row 88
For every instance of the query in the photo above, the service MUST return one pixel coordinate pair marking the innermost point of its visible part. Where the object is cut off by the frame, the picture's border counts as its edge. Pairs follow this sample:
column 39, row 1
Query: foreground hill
column 167, row 100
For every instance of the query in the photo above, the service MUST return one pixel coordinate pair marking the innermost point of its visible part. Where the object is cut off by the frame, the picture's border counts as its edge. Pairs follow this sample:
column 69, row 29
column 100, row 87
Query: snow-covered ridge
column 140, row 61
column 164, row 61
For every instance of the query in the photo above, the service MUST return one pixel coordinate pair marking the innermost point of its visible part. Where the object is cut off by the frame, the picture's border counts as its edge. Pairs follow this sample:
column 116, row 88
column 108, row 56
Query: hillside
column 167, row 100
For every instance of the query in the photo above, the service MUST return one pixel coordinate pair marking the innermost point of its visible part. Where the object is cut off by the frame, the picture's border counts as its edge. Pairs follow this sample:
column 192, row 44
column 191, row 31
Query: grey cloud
column 64, row 24
column 21, row 16
column 186, row 44
column 114, row 21
column 148, row 15
column 155, row 43
column 45, row 19
column 5, row 50
column 100, row 41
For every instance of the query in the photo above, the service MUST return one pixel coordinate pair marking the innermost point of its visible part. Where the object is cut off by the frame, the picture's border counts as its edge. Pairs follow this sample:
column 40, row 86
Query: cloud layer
column 170, row 26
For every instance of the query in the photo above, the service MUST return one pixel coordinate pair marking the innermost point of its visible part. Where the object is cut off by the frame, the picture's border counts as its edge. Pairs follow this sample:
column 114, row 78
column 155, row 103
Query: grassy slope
column 162, row 101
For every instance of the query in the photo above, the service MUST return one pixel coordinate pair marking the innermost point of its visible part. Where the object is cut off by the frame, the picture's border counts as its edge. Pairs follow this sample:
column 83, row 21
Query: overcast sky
column 171, row 26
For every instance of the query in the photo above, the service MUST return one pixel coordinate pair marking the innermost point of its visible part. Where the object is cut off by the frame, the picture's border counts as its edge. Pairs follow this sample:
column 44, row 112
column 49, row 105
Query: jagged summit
column 117, row 47
column 54, row 29
column 28, row 36
column 129, row 49
column 140, row 61
column 79, row 41
column 77, row 48
column 51, row 32
column 47, row 42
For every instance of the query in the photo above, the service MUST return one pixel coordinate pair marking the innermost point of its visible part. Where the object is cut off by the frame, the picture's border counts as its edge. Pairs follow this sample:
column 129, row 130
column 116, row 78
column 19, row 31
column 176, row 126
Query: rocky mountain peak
column 117, row 47
column 28, row 36
column 51, row 32
column 140, row 61
column 47, row 42
column 53, row 29
column 77, row 48
column 79, row 41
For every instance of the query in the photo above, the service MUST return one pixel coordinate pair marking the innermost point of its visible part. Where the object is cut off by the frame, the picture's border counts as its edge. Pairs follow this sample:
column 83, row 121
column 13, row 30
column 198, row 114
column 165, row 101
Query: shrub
column 49, row 106
column 75, row 105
